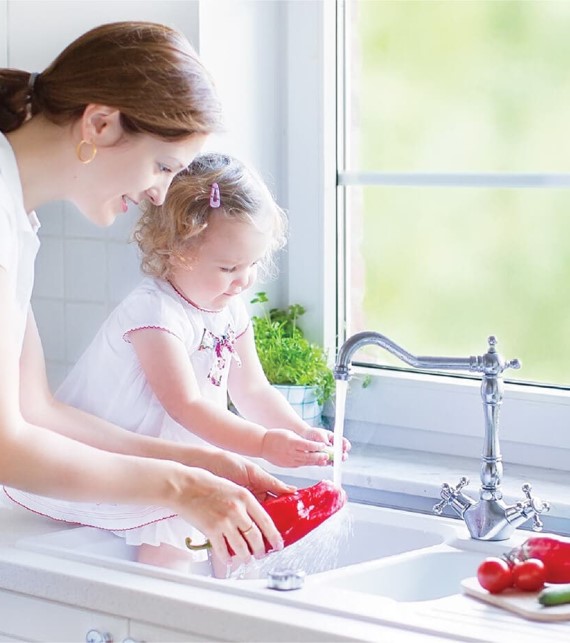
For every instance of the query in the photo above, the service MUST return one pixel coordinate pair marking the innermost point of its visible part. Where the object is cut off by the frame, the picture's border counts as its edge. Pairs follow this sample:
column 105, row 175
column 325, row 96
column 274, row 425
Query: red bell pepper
column 553, row 552
column 296, row 514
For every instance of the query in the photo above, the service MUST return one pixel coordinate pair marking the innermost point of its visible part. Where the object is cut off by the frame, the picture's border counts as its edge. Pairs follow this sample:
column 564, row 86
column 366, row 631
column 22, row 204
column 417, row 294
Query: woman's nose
column 156, row 195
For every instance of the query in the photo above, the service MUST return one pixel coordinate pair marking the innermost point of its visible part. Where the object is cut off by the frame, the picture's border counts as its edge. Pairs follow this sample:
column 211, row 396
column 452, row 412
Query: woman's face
column 138, row 168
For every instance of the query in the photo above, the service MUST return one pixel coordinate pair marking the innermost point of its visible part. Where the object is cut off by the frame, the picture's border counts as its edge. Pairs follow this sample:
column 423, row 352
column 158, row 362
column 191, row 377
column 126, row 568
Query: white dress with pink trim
column 108, row 381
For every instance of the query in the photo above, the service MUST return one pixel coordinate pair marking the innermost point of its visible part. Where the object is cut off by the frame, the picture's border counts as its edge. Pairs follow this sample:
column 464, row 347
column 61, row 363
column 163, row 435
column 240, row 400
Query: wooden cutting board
column 522, row 603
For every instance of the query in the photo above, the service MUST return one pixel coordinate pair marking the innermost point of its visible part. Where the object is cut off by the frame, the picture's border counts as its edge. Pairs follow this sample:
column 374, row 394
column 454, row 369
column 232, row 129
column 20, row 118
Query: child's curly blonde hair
column 169, row 231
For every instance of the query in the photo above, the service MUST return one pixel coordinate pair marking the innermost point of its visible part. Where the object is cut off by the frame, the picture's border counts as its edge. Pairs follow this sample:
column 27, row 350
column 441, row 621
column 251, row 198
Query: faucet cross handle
column 492, row 363
column 453, row 496
column 513, row 363
column 534, row 505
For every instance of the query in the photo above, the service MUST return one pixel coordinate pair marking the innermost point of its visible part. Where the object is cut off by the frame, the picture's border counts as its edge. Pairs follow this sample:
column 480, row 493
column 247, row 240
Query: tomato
column 494, row 575
column 529, row 575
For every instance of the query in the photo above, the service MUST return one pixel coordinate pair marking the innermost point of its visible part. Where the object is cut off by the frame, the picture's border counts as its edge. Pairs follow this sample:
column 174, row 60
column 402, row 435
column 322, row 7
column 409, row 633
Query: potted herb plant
column 297, row 367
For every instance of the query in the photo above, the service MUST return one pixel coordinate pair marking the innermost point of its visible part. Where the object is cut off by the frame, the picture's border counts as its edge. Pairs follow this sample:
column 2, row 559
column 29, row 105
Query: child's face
column 224, row 265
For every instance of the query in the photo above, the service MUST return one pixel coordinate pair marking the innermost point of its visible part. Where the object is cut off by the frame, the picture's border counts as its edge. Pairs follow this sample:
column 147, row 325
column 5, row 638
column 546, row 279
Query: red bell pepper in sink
column 296, row 514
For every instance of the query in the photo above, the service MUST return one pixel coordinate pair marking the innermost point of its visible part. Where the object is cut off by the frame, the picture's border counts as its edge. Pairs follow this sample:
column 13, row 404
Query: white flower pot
column 303, row 399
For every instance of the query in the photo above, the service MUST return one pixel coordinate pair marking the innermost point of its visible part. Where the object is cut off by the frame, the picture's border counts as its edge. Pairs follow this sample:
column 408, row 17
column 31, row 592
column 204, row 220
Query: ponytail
column 15, row 98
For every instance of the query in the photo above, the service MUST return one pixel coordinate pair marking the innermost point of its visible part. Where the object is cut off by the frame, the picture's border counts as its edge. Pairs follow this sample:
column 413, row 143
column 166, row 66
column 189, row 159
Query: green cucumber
column 555, row 595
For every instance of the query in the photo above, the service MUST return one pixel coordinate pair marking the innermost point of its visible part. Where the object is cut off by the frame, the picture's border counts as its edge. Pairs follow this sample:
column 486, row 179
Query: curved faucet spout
column 342, row 370
column 489, row 518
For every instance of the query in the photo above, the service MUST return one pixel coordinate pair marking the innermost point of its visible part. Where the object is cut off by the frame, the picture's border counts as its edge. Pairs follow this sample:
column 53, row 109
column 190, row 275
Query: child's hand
column 322, row 435
column 287, row 449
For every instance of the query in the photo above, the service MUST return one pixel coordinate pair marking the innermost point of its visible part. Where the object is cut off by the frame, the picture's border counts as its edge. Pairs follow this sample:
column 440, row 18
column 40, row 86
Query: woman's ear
column 101, row 125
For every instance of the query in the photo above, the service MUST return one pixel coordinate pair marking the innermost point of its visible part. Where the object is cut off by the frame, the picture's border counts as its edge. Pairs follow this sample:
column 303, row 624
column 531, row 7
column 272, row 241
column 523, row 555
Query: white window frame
column 402, row 409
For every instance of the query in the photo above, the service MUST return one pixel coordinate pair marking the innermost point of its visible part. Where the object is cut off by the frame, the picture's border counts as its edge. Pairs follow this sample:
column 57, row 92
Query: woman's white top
column 108, row 381
column 19, row 242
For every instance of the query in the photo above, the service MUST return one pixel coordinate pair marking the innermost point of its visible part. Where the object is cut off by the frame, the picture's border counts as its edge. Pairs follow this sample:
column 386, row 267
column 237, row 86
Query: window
column 435, row 175
column 454, row 178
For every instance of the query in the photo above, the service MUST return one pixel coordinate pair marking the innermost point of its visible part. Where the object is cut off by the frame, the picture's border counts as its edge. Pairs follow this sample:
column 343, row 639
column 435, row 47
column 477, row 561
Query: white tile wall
column 85, row 264
column 82, row 321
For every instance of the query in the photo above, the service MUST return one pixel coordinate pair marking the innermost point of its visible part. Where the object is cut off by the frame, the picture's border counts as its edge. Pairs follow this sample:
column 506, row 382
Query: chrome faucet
column 489, row 518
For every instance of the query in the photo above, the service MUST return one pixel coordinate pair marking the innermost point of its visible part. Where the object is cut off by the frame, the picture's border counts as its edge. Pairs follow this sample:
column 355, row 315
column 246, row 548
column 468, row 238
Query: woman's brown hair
column 169, row 231
column 148, row 71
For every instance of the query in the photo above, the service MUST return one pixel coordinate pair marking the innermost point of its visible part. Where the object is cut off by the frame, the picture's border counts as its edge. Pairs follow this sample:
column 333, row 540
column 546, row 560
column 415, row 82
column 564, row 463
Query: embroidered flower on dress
column 222, row 351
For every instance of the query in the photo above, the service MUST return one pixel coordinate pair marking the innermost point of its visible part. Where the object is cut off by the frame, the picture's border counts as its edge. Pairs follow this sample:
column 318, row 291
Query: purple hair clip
column 215, row 200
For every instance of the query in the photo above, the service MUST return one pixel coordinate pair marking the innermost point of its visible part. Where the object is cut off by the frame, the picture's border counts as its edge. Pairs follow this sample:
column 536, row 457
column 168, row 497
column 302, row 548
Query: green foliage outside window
column 462, row 87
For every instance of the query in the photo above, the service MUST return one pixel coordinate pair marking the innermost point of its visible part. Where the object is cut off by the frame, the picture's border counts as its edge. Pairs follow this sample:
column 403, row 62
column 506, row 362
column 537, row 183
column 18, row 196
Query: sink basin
column 357, row 534
column 420, row 576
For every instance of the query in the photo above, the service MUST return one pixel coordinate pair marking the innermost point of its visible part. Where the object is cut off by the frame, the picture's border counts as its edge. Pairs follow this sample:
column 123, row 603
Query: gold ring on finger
column 244, row 531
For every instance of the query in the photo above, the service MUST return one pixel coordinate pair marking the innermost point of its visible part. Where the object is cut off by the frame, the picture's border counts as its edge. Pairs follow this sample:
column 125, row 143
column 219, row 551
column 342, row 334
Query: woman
column 120, row 111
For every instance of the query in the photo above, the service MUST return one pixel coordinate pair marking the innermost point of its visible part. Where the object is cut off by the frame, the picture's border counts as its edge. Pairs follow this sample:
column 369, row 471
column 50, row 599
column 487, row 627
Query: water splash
column 340, row 407
column 319, row 550
column 316, row 552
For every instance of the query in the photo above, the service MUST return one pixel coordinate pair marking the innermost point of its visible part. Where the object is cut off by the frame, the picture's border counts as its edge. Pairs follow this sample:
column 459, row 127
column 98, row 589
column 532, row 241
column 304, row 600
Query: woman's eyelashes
column 164, row 168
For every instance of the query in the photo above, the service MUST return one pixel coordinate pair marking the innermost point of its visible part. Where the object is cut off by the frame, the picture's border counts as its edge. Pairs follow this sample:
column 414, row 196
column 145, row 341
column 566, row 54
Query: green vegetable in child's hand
column 555, row 595
column 329, row 450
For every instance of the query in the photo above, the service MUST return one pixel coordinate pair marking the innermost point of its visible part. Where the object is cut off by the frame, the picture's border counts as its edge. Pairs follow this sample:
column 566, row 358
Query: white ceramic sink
column 356, row 535
column 421, row 576
column 365, row 550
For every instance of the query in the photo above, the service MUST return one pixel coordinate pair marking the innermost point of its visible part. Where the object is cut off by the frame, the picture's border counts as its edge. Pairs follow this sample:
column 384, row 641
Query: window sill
column 407, row 479
column 444, row 415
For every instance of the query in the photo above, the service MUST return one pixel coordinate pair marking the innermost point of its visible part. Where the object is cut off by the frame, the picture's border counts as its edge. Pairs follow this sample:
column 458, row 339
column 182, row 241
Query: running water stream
column 340, row 404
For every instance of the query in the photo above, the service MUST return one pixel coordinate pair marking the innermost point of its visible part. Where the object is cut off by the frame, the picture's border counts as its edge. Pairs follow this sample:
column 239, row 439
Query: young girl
column 120, row 111
column 167, row 357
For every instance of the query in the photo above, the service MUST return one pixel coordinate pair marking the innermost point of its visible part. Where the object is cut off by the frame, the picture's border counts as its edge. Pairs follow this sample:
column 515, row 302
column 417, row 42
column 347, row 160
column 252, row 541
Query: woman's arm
column 36, row 459
column 169, row 372
column 40, row 407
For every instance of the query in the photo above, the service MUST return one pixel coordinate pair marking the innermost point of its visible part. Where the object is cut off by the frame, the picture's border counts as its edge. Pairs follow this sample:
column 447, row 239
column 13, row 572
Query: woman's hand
column 287, row 449
column 228, row 515
column 246, row 473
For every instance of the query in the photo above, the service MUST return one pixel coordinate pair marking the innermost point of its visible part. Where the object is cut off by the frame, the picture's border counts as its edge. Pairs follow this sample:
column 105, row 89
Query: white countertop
column 216, row 611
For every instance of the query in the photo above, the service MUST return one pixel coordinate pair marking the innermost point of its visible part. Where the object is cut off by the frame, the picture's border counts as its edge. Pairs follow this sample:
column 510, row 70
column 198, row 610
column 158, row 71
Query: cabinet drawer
column 32, row 619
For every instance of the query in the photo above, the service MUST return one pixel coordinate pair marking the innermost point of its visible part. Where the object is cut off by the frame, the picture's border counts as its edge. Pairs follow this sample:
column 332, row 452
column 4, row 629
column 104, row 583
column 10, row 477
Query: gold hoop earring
column 79, row 148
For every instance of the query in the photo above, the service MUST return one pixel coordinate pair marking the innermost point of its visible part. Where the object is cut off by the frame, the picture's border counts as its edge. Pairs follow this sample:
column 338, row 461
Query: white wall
column 83, row 271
